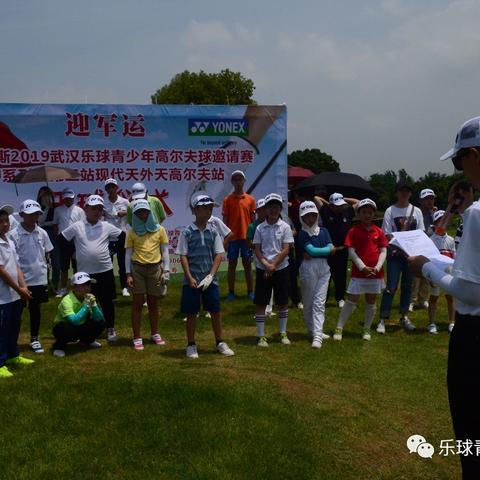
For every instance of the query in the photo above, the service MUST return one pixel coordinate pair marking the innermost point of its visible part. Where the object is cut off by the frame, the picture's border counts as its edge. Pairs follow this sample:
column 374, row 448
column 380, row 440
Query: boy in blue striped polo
column 200, row 248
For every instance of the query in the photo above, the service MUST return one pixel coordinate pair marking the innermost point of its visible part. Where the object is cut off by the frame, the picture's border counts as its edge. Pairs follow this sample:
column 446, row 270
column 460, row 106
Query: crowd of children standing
column 317, row 243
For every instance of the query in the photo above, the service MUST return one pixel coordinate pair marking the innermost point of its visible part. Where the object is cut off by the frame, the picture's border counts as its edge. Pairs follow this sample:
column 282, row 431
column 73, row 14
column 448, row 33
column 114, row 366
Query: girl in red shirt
column 367, row 248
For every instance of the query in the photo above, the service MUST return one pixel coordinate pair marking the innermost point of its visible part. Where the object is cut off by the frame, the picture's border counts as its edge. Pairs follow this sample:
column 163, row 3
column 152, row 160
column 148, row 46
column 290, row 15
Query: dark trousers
column 118, row 248
column 65, row 332
column 104, row 291
column 39, row 296
column 10, row 315
column 463, row 380
column 338, row 269
column 397, row 267
column 294, row 290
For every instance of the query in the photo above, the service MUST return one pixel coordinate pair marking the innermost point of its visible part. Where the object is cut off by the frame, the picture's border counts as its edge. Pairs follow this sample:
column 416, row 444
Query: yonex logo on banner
column 214, row 127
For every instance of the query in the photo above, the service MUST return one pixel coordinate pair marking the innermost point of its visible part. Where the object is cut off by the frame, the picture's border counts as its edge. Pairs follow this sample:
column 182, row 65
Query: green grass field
column 343, row 412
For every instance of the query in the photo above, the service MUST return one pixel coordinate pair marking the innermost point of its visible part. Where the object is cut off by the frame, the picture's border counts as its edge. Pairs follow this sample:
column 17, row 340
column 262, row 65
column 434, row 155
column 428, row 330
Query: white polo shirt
column 31, row 250
column 271, row 239
column 65, row 216
column 219, row 226
column 91, row 245
column 14, row 223
column 8, row 260
column 111, row 210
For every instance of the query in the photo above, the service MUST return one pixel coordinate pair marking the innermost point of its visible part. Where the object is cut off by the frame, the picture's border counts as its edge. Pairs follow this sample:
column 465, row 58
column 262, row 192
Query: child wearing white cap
column 139, row 192
column 33, row 245
column 200, row 248
column 315, row 245
column 146, row 250
column 272, row 242
column 367, row 247
column 78, row 316
column 63, row 217
column 91, row 238
column 446, row 245
column 12, row 289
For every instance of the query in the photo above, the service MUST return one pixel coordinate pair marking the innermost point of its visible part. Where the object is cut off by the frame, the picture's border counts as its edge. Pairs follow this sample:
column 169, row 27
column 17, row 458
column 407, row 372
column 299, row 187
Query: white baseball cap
column 30, row 206
column 139, row 190
column 468, row 136
column 366, row 202
column 260, row 203
column 68, row 193
column 7, row 208
column 438, row 215
column 94, row 200
column 273, row 197
column 80, row 278
column 237, row 172
column 337, row 199
column 307, row 207
column 140, row 204
column 427, row 192
column 110, row 181
column 201, row 200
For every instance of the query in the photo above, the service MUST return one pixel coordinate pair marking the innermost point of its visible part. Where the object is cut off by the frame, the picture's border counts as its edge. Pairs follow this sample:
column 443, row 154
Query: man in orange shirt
column 238, row 212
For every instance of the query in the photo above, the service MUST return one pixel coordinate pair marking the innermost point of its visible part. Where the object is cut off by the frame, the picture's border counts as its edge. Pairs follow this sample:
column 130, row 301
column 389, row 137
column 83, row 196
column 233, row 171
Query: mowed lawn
column 284, row 412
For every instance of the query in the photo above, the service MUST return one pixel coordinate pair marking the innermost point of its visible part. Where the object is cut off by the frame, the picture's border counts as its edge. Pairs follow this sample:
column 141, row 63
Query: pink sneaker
column 157, row 339
column 138, row 344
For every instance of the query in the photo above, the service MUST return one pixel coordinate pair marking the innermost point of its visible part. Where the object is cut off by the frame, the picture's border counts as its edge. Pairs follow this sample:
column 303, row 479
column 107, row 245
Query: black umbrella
column 326, row 183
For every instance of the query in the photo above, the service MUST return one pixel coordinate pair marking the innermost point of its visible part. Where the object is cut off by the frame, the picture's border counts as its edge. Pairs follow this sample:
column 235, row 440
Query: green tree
column 224, row 88
column 384, row 186
column 313, row 159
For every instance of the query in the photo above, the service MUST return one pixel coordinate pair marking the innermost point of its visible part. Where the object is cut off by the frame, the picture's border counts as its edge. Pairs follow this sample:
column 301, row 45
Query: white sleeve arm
column 165, row 257
column 467, row 292
column 128, row 260
column 381, row 259
column 356, row 259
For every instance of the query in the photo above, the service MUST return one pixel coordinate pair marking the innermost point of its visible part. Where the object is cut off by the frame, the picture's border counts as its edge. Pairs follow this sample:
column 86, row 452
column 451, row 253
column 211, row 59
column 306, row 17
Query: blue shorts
column 191, row 297
column 238, row 246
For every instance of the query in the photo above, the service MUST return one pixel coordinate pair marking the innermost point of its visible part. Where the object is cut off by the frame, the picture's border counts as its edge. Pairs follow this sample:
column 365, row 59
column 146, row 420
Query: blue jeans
column 396, row 266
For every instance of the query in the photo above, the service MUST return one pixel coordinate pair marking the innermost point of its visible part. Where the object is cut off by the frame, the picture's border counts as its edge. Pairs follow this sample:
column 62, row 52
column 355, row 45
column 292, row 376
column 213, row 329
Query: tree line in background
column 232, row 88
column 383, row 183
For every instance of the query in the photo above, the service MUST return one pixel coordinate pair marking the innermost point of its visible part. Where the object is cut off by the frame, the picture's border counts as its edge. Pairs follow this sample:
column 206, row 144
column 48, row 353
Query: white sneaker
column 224, row 349
column 95, row 344
column 341, row 303
column 61, row 293
column 450, row 327
column 58, row 353
column 381, row 326
column 284, row 338
column 324, row 336
column 111, row 335
column 337, row 336
column 268, row 310
column 366, row 335
column 407, row 324
column 411, row 307
column 432, row 328
column 317, row 342
column 192, row 351
column 300, row 305
column 208, row 315
column 125, row 292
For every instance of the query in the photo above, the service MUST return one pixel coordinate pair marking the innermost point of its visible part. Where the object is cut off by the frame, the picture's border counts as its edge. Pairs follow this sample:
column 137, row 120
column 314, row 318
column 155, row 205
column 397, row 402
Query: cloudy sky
column 378, row 84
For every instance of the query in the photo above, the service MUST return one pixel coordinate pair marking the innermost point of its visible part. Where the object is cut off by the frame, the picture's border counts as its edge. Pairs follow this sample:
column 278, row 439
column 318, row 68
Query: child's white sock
column 370, row 309
column 260, row 320
column 348, row 308
column 282, row 320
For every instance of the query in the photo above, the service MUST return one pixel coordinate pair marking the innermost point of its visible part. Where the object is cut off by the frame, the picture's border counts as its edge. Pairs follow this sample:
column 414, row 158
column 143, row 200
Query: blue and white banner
column 176, row 150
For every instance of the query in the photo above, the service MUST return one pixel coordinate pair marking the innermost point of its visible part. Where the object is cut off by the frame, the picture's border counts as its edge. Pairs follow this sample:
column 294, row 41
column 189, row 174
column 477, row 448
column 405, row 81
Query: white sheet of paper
column 417, row 242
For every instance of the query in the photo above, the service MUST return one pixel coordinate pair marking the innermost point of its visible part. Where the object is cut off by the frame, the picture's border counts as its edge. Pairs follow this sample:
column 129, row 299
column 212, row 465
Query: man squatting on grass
column 78, row 316
column 200, row 248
